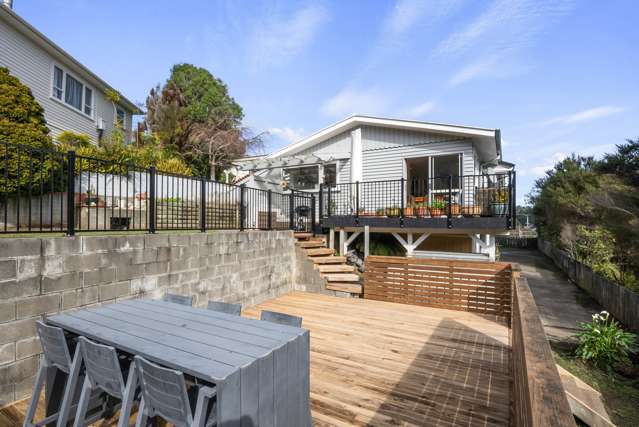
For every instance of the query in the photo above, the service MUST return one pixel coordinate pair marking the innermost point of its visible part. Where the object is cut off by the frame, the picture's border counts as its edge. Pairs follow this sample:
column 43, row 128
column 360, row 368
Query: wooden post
column 366, row 241
column 331, row 238
column 342, row 242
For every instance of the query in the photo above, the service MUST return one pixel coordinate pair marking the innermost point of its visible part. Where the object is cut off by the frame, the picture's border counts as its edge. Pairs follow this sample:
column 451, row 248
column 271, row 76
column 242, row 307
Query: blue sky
column 555, row 76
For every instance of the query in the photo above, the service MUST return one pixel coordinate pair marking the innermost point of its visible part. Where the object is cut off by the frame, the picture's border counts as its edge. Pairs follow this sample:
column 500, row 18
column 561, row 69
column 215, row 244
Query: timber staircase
column 340, row 276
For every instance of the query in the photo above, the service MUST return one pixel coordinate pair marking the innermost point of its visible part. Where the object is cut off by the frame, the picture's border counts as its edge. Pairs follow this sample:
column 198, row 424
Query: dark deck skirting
column 472, row 223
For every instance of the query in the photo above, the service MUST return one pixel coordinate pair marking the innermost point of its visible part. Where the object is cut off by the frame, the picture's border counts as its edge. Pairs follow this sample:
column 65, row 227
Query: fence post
column 70, row 193
column 449, row 221
column 512, row 222
column 321, row 197
column 152, row 213
column 242, row 212
column 203, row 204
column 357, row 201
column 313, row 214
column 291, row 208
column 269, row 198
column 328, row 206
column 402, row 203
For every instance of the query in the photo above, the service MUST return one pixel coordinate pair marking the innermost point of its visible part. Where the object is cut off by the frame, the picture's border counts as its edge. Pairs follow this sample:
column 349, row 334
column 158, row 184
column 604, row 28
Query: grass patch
column 619, row 393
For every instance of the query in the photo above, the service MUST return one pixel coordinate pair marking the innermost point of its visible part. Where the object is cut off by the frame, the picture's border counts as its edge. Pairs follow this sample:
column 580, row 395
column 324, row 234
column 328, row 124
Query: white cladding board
column 337, row 147
column 384, row 151
column 34, row 67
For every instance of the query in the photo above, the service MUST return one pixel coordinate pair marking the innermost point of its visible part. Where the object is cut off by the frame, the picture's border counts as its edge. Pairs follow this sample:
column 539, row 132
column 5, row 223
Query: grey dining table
column 260, row 369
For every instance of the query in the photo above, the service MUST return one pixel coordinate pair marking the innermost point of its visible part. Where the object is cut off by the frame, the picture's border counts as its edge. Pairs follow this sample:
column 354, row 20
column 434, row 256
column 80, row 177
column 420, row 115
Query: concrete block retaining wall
column 48, row 275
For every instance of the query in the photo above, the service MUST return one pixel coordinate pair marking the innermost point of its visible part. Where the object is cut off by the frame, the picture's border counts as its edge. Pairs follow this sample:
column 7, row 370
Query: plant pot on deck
column 421, row 211
column 434, row 212
column 392, row 212
column 498, row 209
column 409, row 212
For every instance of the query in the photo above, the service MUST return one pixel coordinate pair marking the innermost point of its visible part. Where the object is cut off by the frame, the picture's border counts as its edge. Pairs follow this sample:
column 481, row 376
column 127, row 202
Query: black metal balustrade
column 49, row 191
column 490, row 195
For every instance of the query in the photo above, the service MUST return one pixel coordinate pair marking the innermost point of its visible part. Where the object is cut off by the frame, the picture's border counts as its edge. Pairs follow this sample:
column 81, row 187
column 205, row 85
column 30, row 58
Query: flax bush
column 603, row 342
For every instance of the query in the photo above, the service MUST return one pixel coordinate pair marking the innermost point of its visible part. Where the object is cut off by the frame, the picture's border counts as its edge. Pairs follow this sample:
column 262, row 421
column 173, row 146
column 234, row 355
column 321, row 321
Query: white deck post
column 491, row 247
column 409, row 246
column 331, row 238
column 342, row 242
column 366, row 241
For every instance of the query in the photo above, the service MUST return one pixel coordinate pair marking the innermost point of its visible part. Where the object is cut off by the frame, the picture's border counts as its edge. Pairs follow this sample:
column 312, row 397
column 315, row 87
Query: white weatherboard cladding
column 384, row 151
column 34, row 67
column 337, row 147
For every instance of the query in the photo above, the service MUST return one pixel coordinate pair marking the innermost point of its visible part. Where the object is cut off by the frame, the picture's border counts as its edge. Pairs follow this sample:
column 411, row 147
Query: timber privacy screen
column 49, row 191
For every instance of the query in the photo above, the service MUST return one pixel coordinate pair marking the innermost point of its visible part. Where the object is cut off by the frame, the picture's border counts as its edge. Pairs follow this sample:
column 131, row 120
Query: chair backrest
column 225, row 307
column 164, row 392
column 281, row 318
column 54, row 346
column 102, row 367
column 178, row 299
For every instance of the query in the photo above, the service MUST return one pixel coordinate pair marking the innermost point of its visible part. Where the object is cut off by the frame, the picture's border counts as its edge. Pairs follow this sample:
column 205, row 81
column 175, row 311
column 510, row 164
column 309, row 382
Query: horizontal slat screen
column 481, row 287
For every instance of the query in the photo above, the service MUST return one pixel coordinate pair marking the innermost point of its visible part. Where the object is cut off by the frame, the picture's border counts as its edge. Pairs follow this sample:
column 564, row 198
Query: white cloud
column 405, row 14
column 288, row 134
column 279, row 39
column 546, row 164
column 420, row 110
column 474, row 70
column 351, row 101
column 585, row 115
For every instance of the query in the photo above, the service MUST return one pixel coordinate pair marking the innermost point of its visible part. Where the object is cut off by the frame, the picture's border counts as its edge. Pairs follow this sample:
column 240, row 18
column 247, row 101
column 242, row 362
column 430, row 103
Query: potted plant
column 421, row 209
column 409, row 211
column 455, row 209
column 91, row 199
column 499, row 203
column 392, row 211
column 380, row 212
column 437, row 208
column 471, row 210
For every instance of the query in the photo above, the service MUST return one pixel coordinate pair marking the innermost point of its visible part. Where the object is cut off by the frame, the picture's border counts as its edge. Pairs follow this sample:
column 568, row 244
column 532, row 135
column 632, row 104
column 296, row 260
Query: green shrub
column 68, row 140
column 22, row 122
column 603, row 342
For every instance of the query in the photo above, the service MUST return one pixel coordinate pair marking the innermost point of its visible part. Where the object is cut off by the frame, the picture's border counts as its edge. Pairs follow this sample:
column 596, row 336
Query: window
column 303, row 178
column 72, row 91
column 57, row 82
column 330, row 174
column 88, row 101
column 120, row 116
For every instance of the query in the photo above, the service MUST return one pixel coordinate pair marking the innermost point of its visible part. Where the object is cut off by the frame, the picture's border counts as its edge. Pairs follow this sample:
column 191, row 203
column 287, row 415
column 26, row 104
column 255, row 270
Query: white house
column 440, row 189
column 73, row 97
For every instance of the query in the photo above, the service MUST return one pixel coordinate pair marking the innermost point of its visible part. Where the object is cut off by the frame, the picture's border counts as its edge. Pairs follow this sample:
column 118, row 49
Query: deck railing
column 489, row 195
column 50, row 191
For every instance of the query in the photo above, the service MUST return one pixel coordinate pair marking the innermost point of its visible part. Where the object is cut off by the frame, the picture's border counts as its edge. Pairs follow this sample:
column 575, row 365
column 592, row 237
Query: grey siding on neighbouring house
column 337, row 147
column 384, row 151
column 34, row 67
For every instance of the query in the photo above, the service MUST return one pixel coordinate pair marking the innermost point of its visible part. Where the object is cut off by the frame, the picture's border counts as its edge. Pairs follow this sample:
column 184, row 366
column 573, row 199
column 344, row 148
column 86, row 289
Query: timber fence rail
column 620, row 301
column 480, row 287
column 49, row 191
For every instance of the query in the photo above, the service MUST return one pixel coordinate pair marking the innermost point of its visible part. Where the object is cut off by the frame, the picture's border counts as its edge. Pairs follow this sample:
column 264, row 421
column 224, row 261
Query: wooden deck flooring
column 378, row 363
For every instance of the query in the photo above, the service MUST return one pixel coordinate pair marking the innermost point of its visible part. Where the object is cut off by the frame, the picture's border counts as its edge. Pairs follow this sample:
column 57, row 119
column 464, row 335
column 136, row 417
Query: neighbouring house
column 73, row 97
column 442, row 190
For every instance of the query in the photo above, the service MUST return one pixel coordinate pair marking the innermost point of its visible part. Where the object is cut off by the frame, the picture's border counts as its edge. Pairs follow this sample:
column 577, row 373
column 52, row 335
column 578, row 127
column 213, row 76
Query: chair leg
column 83, row 404
column 127, row 399
column 37, row 389
column 142, row 419
column 69, row 391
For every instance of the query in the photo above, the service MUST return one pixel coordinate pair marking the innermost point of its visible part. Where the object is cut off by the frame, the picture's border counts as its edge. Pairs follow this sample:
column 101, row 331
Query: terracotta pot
column 421, row 211
column 471, row 210
column 408, row 212
column 436, row 212
column 455, row 209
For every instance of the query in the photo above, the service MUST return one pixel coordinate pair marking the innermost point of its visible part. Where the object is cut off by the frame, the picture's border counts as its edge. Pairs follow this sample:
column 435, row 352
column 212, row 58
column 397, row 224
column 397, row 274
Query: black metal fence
column 490, row 195
column 48, row 191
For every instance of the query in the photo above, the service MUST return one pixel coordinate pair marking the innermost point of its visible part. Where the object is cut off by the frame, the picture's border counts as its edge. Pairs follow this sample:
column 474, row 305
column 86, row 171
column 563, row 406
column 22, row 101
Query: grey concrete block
column 29, row 267
column 17, row 330
column 127, row 272
column 53, row 264
column 198, row 239
column 178, row 240
column 7, row 353
column 24, row 388
column 8, row 269
column 127, row 243
column 156, row 240
column 84, row 262
column 163, row 254
column 20, row 247
column 28, row 347
column 98, row 244
column 19, row 288
column 154, row 268
column 98, row 276
column 143, row 285
column 143, row 256
column 114, row 290
column 60, row 282
column 62, row 245
column 80, row 297
column 7, row 310
column 34, row 306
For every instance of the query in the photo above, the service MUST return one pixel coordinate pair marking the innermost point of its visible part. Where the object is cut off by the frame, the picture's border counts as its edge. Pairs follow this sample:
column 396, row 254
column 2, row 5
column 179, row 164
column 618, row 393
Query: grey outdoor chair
column 281, row 318
column 164, row 394
column 56, row 355
column 178, row 299
column 103, row 374
column 225, row 307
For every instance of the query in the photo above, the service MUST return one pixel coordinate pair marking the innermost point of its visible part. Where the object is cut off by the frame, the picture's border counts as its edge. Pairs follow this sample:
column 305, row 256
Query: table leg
column 229, row 407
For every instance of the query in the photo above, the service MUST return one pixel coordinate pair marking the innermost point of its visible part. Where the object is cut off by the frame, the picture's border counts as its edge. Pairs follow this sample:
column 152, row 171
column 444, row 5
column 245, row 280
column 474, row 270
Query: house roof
column 45, row 43
column 489, row 140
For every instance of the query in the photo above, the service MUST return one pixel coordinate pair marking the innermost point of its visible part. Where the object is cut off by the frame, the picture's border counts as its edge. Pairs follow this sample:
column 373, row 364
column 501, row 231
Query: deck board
column 378, row 363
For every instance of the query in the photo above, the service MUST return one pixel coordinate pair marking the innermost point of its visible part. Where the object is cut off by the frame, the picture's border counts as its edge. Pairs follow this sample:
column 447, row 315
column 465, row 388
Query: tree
column 22, row 122
column 194, row 113
column 624, row 163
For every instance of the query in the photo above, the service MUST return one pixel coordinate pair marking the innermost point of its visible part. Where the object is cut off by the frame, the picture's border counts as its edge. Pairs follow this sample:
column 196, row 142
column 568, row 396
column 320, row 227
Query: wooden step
column 340, row 277
column 335, row 268
column 310, row 244
column 352, row 288
column 329, row 260
column 302, row 236
column 320, row 252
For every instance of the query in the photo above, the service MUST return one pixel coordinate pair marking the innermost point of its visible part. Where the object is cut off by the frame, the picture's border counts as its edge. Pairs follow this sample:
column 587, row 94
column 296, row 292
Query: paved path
column 561, row 303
